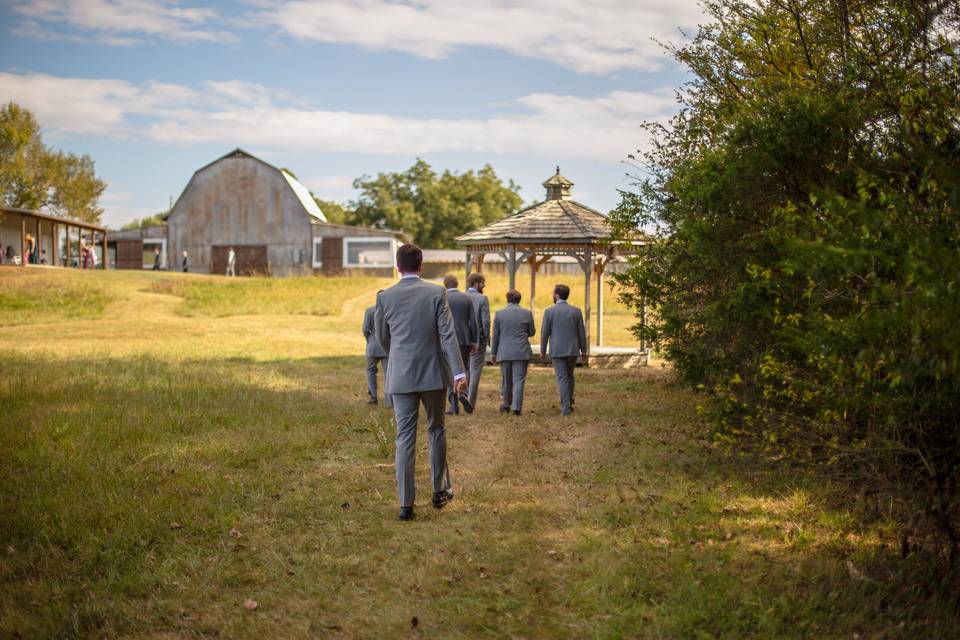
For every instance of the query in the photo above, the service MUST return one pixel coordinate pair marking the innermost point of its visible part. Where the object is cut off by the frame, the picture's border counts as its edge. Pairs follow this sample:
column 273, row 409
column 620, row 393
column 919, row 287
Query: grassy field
column 158, row 471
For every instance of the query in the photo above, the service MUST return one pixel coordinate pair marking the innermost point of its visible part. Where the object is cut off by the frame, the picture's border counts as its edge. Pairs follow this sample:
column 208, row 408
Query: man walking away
column 184, row 266
column 232, row 263
column 476, row 283
column 465, row 325
column 513, row 326
column 375, row 354
column 156, row 258
column 563, row 328
column 415, row 327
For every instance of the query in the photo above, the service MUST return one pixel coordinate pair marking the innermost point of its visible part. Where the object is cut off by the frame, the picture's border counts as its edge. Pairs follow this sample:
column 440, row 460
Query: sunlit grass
column 158, row 470
column 42, row 295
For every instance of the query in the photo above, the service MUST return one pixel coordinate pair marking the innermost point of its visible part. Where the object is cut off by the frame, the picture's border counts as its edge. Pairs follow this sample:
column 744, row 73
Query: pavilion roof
column 557, row 221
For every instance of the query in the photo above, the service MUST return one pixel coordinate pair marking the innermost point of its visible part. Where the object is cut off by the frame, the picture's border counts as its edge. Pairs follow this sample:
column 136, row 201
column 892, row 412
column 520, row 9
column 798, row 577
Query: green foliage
column 34, row 176
column 148, row 221
column 805, row 272
column 335, row 212
column 434, row 209
column 50, row 299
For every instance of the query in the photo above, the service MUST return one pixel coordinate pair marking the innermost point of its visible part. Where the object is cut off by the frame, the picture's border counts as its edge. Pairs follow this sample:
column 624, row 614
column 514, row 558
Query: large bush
column 806, row 208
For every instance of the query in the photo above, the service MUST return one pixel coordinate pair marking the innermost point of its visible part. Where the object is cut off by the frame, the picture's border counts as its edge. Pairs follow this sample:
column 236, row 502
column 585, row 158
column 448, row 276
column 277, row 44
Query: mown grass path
column 159, row 471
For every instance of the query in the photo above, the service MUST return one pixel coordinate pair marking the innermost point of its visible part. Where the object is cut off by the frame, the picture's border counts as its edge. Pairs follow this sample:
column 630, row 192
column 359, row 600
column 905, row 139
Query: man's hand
column 474, row 348
column 460, row 385
column 493, row 359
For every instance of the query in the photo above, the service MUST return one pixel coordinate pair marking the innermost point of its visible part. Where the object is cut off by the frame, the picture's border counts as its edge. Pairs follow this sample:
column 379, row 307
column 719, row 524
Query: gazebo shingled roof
column 556, row 226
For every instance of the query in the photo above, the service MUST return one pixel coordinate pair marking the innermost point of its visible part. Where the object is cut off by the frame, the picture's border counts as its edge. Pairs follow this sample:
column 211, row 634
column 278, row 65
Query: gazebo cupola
column 558, row 187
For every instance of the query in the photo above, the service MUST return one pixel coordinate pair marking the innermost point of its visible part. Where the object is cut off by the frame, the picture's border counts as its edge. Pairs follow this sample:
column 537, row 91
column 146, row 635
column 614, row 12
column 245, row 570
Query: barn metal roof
column 303, row 195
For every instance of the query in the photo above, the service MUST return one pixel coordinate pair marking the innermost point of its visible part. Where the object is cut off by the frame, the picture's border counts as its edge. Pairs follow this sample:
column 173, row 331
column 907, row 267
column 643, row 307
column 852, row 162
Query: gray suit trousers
column 372, row 380
column 564, row 368
column 477, row 361
column 513, row 375
column 406, row 408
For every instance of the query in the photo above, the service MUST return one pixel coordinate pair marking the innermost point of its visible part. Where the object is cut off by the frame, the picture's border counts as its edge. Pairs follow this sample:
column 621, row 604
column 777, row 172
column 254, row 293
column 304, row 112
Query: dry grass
column 157, row 471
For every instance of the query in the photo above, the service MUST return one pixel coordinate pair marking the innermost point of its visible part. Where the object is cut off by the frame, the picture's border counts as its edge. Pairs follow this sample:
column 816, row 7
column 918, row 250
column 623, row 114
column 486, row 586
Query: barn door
column 251, row 259
column 332, row 255
column 129, row 254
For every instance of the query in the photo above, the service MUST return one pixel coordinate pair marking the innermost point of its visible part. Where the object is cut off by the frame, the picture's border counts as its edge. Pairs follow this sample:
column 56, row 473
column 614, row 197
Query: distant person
column 374, row 354
column 476, row 283
column 84, row 256
column 43, row 256
column 513, row 326
column 231, row 263
column 465, row 325
column 566, row 334
column 184, row 265
column 156, row 258
column 414, row 324
column 9, row 253
column 30, row 245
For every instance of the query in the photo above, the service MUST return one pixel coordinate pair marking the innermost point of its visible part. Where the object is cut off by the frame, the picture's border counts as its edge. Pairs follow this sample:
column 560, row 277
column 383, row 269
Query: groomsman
column 476, row 283
column 375, row 354
column 564, row 330
column 415, row 327
column 465, row 325
column 513, row 326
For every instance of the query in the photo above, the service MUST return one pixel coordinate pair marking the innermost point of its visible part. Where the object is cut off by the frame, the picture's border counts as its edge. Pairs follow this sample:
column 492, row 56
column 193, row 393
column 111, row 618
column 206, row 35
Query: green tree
column 34, row 176
column 434, row 209
column 335, row 212
column 805, row 274
column 148, row 221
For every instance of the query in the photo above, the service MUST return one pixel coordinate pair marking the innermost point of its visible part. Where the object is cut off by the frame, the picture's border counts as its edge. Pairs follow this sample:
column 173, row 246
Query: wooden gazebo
column 558, row 226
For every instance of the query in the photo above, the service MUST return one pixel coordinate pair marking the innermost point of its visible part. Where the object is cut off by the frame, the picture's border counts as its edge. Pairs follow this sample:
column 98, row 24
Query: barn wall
column 241, row 201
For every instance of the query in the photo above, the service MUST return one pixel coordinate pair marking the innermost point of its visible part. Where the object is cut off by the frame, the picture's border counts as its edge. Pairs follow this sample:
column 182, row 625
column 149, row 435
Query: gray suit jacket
column 464, row 317
column 513, row 326
column 415, row 327
column 374, row 350
column 563, row 328
column 482, row 306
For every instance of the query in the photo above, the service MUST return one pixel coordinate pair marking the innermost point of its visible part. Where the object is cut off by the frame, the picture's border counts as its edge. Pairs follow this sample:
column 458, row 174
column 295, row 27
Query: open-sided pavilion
column 558, row 226
column 35, row 237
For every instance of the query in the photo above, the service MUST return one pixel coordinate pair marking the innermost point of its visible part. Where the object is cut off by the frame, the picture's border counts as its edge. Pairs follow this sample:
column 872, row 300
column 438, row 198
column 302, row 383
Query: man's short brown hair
column 409, row 258
column 450, row 281
column 562, row 291
column 474, row 278
column 513, row 296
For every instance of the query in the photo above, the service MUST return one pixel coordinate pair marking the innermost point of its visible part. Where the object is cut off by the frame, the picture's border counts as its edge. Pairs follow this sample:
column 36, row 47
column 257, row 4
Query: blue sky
column 334, row 89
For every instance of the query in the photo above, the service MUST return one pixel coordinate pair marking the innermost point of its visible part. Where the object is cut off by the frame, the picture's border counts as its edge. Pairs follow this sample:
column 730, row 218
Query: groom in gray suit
column 563, row 328
column 513, row 326
column 415, row 327
column 374, row 354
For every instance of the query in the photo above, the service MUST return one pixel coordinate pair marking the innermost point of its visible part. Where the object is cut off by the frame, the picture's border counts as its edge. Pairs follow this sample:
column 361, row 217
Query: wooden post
column 23, row 240
column 588, row 272
column 104, row 251
column 54, row 230
column 600, row 268
column 534, row 266
column 469, row 263
column 480, row 257
column 643, row 323
column 512, row 266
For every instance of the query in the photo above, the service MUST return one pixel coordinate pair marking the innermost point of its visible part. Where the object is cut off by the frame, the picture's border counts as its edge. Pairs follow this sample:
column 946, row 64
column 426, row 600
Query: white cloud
column 605, row 127
column 599, row 36
column 117, row 22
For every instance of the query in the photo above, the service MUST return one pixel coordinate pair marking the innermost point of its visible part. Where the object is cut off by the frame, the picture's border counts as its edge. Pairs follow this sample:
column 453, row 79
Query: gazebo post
column 601, row 265
column 469, row 263
column 588, row 272
column 512, row 266
column 480, row 257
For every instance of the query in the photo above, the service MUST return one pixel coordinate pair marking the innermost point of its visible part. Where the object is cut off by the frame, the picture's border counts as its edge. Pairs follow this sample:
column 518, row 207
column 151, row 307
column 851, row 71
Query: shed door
column 251, row 259
column 332, row 252
column 129, row 254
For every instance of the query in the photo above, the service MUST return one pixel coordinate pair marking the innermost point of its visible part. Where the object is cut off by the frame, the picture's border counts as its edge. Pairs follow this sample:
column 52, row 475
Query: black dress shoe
column 371, row 401
column 406, row 513
column 516, row 413
column 504, row 409
column 465, row 403
column 441, row 498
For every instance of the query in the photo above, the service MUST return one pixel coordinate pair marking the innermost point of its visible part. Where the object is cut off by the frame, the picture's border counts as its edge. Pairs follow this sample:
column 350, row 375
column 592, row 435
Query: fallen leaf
column 414, row 622
column 235, row 533
column 345, row 506
column 176, row 525
column 250, row 604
